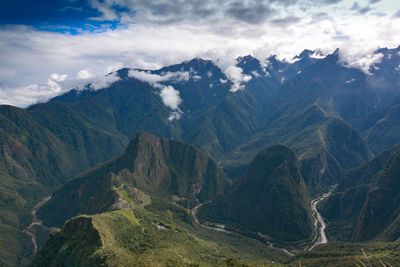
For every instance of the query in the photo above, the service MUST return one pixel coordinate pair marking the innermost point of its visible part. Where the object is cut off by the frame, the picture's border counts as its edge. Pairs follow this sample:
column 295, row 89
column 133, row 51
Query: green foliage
column 152, row 238
column 349, row 254
column 325, row 146
column 386, row 131
column 17, row 197
column 366, row 202
column 42, row 147
column 158, row 167
column 270, row 198
column 379, row 215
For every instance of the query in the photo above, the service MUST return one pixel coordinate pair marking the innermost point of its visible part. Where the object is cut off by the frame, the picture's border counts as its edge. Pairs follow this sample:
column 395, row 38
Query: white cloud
column 26, row 95
column 360, row 61
column 170, row 97
column 84, row 74
column 107, row 12
column 56, row 84
column 319, row 54
column 236, row 76
column 147, row 76
column 29, row 56
column 57, row 77
column 105, row 81
column 174, row 115
column 398, row 68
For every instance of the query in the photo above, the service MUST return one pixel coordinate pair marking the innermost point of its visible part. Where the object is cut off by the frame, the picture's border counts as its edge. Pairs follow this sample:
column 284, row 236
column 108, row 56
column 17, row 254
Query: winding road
column 36, row 221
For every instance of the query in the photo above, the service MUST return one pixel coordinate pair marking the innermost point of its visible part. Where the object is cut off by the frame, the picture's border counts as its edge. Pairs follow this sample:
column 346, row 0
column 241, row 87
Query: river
column 36, row 221
column 319, row 223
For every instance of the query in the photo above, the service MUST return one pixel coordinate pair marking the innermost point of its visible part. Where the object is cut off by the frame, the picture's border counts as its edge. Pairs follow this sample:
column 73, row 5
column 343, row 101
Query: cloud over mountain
column 151, row 34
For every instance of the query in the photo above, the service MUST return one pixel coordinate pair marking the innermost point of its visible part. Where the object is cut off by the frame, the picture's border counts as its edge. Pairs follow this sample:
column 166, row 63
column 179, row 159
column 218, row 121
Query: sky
column 50, row 46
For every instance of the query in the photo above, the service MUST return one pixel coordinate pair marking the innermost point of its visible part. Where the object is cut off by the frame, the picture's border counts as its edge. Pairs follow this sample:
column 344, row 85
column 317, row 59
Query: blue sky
column 50, row 46
column 66, row 16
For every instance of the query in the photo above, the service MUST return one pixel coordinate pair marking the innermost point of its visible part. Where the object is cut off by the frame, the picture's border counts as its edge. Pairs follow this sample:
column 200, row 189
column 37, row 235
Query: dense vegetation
column 162, row 234
column 365, row 206
column 332, row 116
column 157, row 166
column 270, row 198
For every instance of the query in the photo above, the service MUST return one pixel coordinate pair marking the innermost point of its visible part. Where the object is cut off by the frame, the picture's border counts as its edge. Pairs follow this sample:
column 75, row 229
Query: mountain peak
column 248, row 64
column 272, row 181
column 305, row 53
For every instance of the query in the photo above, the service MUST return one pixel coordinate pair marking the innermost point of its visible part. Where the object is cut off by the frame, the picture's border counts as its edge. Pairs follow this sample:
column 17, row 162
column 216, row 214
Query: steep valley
column 224, row 179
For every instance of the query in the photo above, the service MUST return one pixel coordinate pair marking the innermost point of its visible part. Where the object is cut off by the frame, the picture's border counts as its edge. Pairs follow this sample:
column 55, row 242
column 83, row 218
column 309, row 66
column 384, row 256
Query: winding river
column 319, row 223
column 36, row 221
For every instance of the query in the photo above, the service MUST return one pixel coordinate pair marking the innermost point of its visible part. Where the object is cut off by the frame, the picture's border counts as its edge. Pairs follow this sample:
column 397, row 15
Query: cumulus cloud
column 107, row 12
column 26, row 95
column 103, row 82
column 84, row 74
column 56, row 84
column 235, row 75
column 154, row 79
column 360, row 61
column 169, row 95
column 168, row 32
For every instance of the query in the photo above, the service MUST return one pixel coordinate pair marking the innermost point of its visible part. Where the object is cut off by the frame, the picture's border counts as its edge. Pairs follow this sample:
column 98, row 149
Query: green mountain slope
column 347, row 209
column 270, row 198
column 325, row 146
column 379, row 217
column 386, row 131
column 162, row 167
column 46, row 144
column 34, row 159
column 160, row 234
column 339, row 254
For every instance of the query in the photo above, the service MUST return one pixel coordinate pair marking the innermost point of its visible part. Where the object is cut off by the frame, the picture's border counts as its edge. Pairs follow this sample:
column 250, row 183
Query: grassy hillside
column 161, row 234
column 349, row 255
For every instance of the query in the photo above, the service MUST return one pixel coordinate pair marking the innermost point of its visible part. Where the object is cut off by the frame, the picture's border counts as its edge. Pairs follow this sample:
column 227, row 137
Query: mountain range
column 88, row 149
